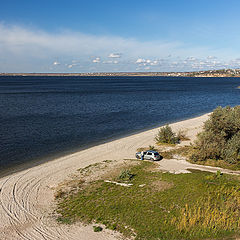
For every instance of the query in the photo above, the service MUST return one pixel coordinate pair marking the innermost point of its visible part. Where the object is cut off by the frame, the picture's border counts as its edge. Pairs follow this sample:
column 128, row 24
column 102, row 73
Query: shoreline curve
column 27, row 196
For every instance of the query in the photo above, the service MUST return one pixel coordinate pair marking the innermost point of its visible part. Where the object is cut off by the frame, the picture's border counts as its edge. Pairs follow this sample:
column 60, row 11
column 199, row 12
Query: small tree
column 166, row 135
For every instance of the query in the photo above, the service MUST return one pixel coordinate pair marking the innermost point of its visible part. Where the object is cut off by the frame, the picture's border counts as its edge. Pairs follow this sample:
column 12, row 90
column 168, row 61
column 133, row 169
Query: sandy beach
column 27, row 197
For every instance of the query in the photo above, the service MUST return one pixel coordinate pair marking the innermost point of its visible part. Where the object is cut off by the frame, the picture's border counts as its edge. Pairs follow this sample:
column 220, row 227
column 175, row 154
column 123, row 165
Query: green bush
column 125, row 175
column 166, row 135
column 220, row 139
column 97, row 228
column 208, row 146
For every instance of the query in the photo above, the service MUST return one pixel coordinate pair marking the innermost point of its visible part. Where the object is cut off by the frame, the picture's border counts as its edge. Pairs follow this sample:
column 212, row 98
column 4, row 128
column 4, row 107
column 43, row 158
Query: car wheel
column 151, row 159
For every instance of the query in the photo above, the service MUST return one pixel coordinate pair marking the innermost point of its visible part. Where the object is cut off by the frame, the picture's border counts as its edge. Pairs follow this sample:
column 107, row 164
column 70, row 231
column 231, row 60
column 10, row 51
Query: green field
column 158, row 205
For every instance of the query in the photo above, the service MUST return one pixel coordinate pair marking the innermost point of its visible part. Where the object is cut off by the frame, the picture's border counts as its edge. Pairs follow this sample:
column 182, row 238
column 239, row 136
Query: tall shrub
column 220, row 137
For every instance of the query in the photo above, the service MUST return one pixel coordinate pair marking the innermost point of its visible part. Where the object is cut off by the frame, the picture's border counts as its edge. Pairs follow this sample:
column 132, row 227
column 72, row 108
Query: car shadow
column 161, row 157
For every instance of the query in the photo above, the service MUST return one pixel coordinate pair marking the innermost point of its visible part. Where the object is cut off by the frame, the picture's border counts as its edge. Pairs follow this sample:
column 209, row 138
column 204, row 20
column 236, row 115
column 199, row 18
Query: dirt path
column 180, row 165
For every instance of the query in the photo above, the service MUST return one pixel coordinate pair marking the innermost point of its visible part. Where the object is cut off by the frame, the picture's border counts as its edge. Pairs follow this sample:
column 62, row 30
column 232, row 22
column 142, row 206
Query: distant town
column 209, row 73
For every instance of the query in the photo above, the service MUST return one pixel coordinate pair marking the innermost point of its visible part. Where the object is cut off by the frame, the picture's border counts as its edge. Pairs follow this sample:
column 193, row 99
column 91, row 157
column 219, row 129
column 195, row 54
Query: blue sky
column 97, row 36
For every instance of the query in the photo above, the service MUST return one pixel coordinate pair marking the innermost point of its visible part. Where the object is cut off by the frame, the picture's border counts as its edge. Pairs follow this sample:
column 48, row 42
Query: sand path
column 27, row 197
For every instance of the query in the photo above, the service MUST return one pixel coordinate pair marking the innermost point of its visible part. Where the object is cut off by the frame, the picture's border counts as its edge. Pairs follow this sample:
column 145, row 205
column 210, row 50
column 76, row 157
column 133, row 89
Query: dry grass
column 107, row 169
column 114, row 172
column 159, row 185
column 181, row 151
column 220, row 210
column 182, row 135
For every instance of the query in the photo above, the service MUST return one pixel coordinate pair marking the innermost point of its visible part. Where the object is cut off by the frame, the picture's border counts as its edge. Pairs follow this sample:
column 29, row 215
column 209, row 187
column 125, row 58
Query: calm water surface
column 44, row 116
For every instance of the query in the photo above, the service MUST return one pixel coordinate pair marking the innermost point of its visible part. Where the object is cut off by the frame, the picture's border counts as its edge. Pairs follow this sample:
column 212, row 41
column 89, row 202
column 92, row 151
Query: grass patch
column 160, row 205
column 167, row 144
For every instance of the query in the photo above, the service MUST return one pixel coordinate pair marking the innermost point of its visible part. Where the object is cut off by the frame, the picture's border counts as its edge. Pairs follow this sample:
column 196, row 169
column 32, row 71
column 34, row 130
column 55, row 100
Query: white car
column 149, row 155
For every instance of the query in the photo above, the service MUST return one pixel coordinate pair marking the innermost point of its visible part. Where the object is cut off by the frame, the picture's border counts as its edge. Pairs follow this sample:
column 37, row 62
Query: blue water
column 41, row 117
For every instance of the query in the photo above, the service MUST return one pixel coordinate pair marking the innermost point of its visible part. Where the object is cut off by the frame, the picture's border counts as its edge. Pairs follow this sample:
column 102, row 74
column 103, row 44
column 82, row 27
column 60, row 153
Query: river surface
column 45, row 117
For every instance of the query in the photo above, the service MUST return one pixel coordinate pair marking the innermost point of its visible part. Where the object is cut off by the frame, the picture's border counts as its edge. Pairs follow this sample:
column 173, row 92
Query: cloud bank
column 114, row 55
column 31, row 50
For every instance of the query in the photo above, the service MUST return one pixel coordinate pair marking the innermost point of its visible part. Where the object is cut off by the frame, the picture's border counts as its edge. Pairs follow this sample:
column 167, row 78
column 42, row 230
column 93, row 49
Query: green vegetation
column 97, row 228
column 125, row 175
column 166, row 135
column 220, row 139
column 159, row 205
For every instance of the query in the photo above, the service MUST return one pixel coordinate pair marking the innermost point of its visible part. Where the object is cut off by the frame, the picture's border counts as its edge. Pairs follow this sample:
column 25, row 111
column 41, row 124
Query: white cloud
column 145, row 62
column 96, row 60
column 17, row 40
column 31, row 50
column 114, row 55
column 111, row 62
column 71, row 65
column 140, row 60
column 154, row 63
column 191, row 59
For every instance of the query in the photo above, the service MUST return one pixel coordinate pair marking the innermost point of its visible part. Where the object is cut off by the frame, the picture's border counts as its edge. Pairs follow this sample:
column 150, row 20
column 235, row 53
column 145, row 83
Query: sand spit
column 27, row 197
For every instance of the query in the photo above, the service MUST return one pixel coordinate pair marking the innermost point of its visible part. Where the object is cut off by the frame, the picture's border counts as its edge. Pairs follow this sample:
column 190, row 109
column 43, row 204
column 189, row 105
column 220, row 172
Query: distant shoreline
column 209, row 73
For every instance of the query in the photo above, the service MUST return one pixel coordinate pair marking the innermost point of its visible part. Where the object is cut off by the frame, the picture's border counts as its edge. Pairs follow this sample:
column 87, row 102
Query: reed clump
column 216, row 212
